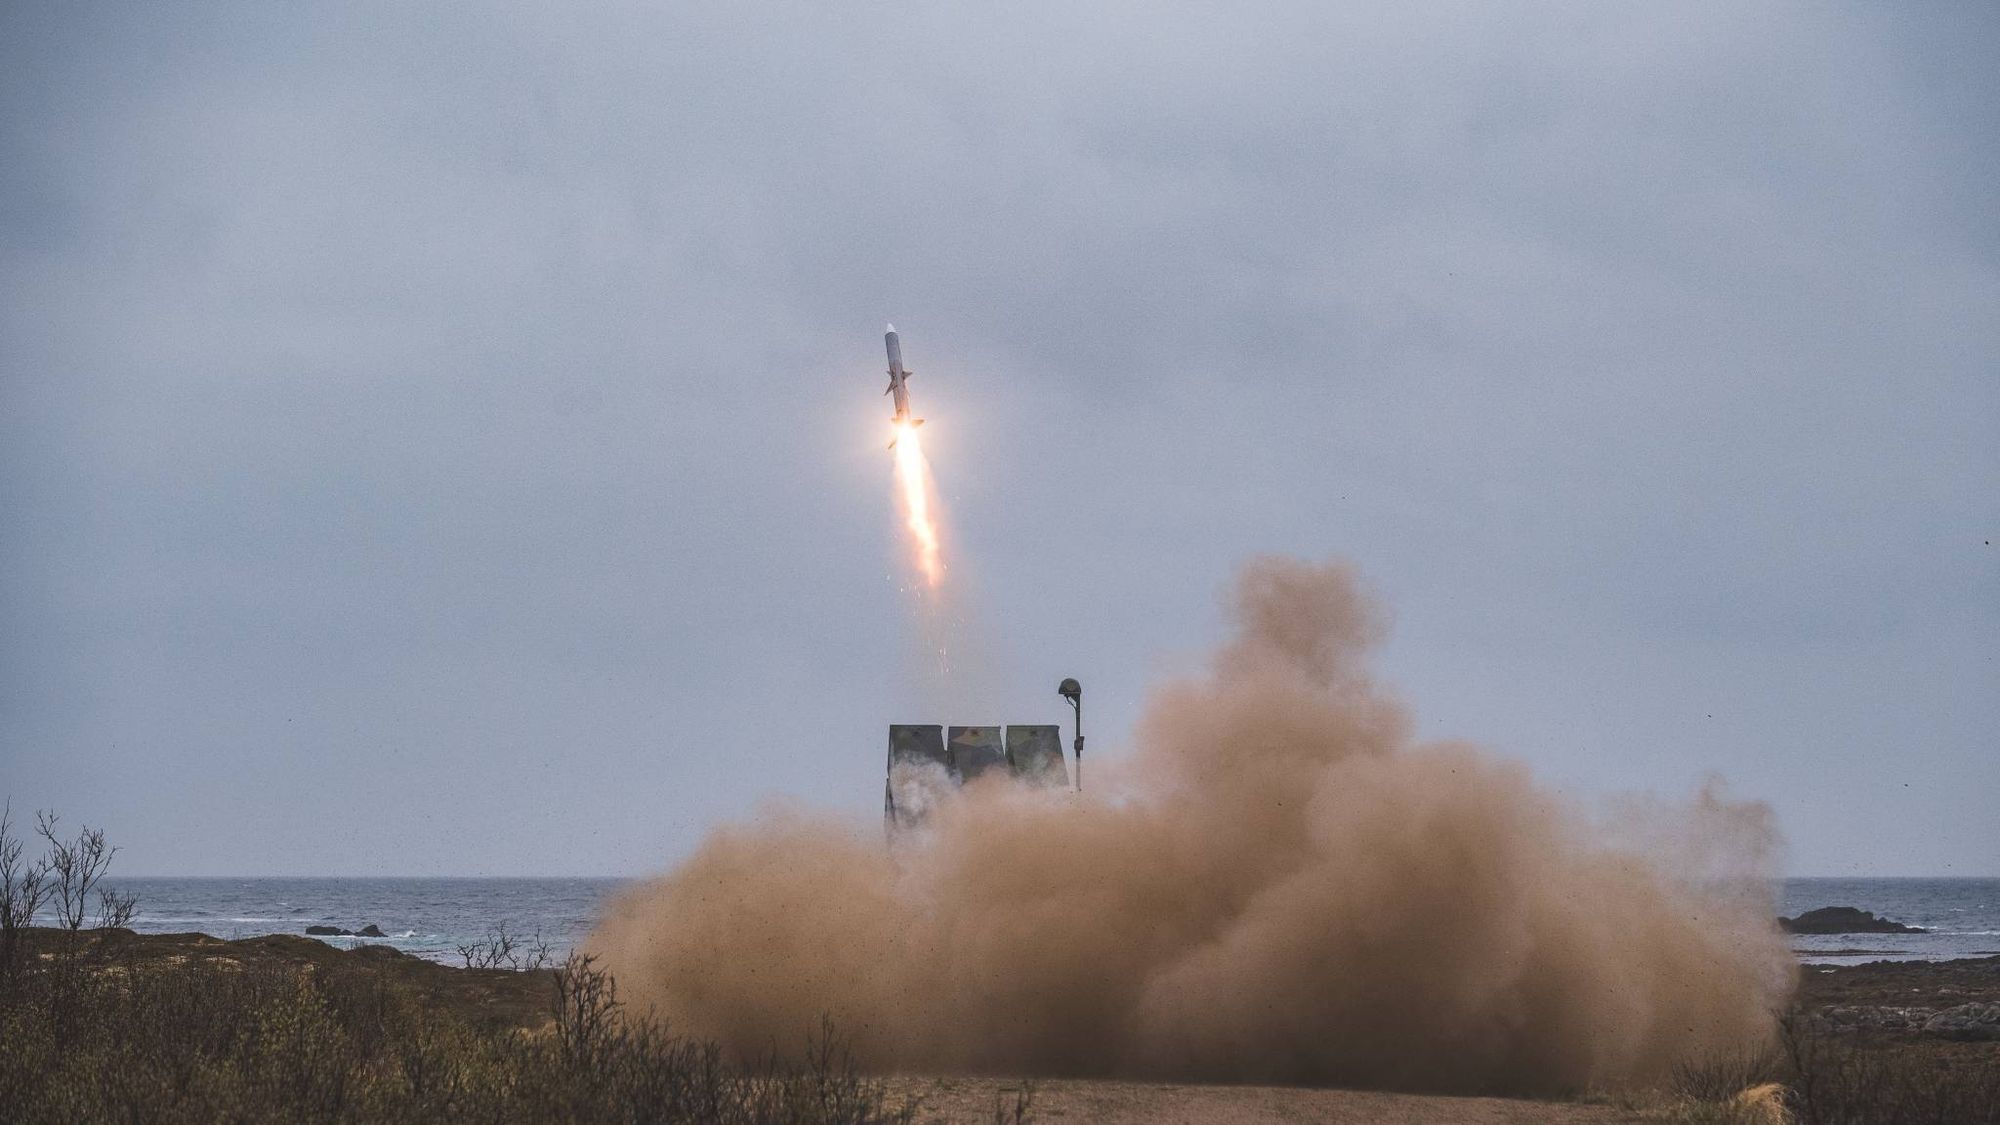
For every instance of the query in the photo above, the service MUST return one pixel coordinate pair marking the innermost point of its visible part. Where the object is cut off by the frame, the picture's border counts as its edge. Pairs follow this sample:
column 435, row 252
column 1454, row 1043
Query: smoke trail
column 1277, row 885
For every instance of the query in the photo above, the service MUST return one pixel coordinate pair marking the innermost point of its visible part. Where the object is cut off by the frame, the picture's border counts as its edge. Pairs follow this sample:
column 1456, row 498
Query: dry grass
column 1861, row 1078
column 1822, row 1077
column 196, row 1043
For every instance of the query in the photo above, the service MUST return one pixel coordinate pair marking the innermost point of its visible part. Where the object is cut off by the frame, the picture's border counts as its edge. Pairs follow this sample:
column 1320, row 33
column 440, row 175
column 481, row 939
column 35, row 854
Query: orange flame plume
column 913, row 475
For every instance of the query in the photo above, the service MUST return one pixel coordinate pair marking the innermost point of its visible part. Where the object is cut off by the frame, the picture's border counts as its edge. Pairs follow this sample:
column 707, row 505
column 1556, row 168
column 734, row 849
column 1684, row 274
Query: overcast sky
column 448, row 439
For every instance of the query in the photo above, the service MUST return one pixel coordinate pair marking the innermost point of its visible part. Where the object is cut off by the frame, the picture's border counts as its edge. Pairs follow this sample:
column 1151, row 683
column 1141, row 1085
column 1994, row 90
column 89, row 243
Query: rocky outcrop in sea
column 369, row 930
column 1844, row 920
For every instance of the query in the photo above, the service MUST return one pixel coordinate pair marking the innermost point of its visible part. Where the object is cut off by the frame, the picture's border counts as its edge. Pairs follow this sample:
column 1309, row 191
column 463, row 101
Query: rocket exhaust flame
column 913, row 471
column 1283, row 885
column 913, row 480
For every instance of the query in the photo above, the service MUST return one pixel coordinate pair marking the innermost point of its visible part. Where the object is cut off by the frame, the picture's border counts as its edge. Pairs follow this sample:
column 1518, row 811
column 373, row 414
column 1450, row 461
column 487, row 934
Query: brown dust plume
column 1277, row 884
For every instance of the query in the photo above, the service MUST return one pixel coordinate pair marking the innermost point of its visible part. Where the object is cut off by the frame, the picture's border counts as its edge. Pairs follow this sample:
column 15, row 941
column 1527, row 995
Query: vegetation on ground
column 97, row 1023
column 1820, row 1077
column 88, row 1039
column 91, row 1029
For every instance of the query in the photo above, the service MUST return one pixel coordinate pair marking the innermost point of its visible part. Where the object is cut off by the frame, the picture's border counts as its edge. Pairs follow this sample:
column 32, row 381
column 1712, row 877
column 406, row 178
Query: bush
column 1858, row 1078
column 90, row 1032
column 91, row 1039
column 1823, row 1077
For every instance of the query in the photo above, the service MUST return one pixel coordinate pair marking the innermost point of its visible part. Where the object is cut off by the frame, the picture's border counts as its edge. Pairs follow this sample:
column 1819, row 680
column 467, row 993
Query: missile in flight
column 899, row 377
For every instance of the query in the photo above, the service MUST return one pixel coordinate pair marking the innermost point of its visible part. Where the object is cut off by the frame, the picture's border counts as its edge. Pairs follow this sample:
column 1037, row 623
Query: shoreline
column 513, row 993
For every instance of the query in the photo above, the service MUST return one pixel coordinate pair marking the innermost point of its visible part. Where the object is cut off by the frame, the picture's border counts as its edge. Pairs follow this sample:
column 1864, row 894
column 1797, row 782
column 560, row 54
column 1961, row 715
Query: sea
column 427, row 917
column 1962, row 915
column 434, row 918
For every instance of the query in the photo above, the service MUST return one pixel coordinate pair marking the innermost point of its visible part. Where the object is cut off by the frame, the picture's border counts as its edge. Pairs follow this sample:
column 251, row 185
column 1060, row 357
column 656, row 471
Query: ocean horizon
column 434, row 916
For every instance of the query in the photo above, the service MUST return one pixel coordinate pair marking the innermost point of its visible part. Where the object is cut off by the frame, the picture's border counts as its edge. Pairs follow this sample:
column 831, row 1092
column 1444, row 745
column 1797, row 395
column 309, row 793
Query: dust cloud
column 1277, row 884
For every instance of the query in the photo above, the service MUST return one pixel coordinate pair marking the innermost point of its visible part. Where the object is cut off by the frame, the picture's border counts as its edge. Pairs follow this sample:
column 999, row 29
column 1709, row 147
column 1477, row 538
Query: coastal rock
column 1863, row 1017
column 1844, row 920
column 369, row 930
column 1966, row 1022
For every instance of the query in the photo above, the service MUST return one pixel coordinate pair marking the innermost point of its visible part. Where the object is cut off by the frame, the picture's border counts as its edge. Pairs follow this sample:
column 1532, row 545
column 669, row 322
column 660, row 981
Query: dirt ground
column 1883, row 985
column 1884, row 1003
column 1119, row 1103
column 1934, row 984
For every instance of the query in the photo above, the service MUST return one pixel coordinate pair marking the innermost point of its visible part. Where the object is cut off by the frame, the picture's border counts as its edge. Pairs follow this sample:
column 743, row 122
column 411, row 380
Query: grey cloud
column 444, row 432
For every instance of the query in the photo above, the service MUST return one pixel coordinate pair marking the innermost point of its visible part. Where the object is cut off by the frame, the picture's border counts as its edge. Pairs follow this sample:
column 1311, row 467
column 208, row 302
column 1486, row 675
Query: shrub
column 88, row 1039
column 1858, row 1078
column 89, row 1034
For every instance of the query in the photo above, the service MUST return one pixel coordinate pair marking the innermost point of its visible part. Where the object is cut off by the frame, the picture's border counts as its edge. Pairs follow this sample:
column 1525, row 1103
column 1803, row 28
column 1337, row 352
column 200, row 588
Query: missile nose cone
column 895, row 349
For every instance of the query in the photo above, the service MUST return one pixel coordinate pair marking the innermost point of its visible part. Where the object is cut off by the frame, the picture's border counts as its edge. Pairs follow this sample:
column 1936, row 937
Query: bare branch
column 76, row 866
column 23, row 886
column 115, row 909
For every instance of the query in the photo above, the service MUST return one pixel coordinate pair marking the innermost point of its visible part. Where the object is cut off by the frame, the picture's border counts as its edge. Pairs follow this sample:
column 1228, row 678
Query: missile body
column 899, row 382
